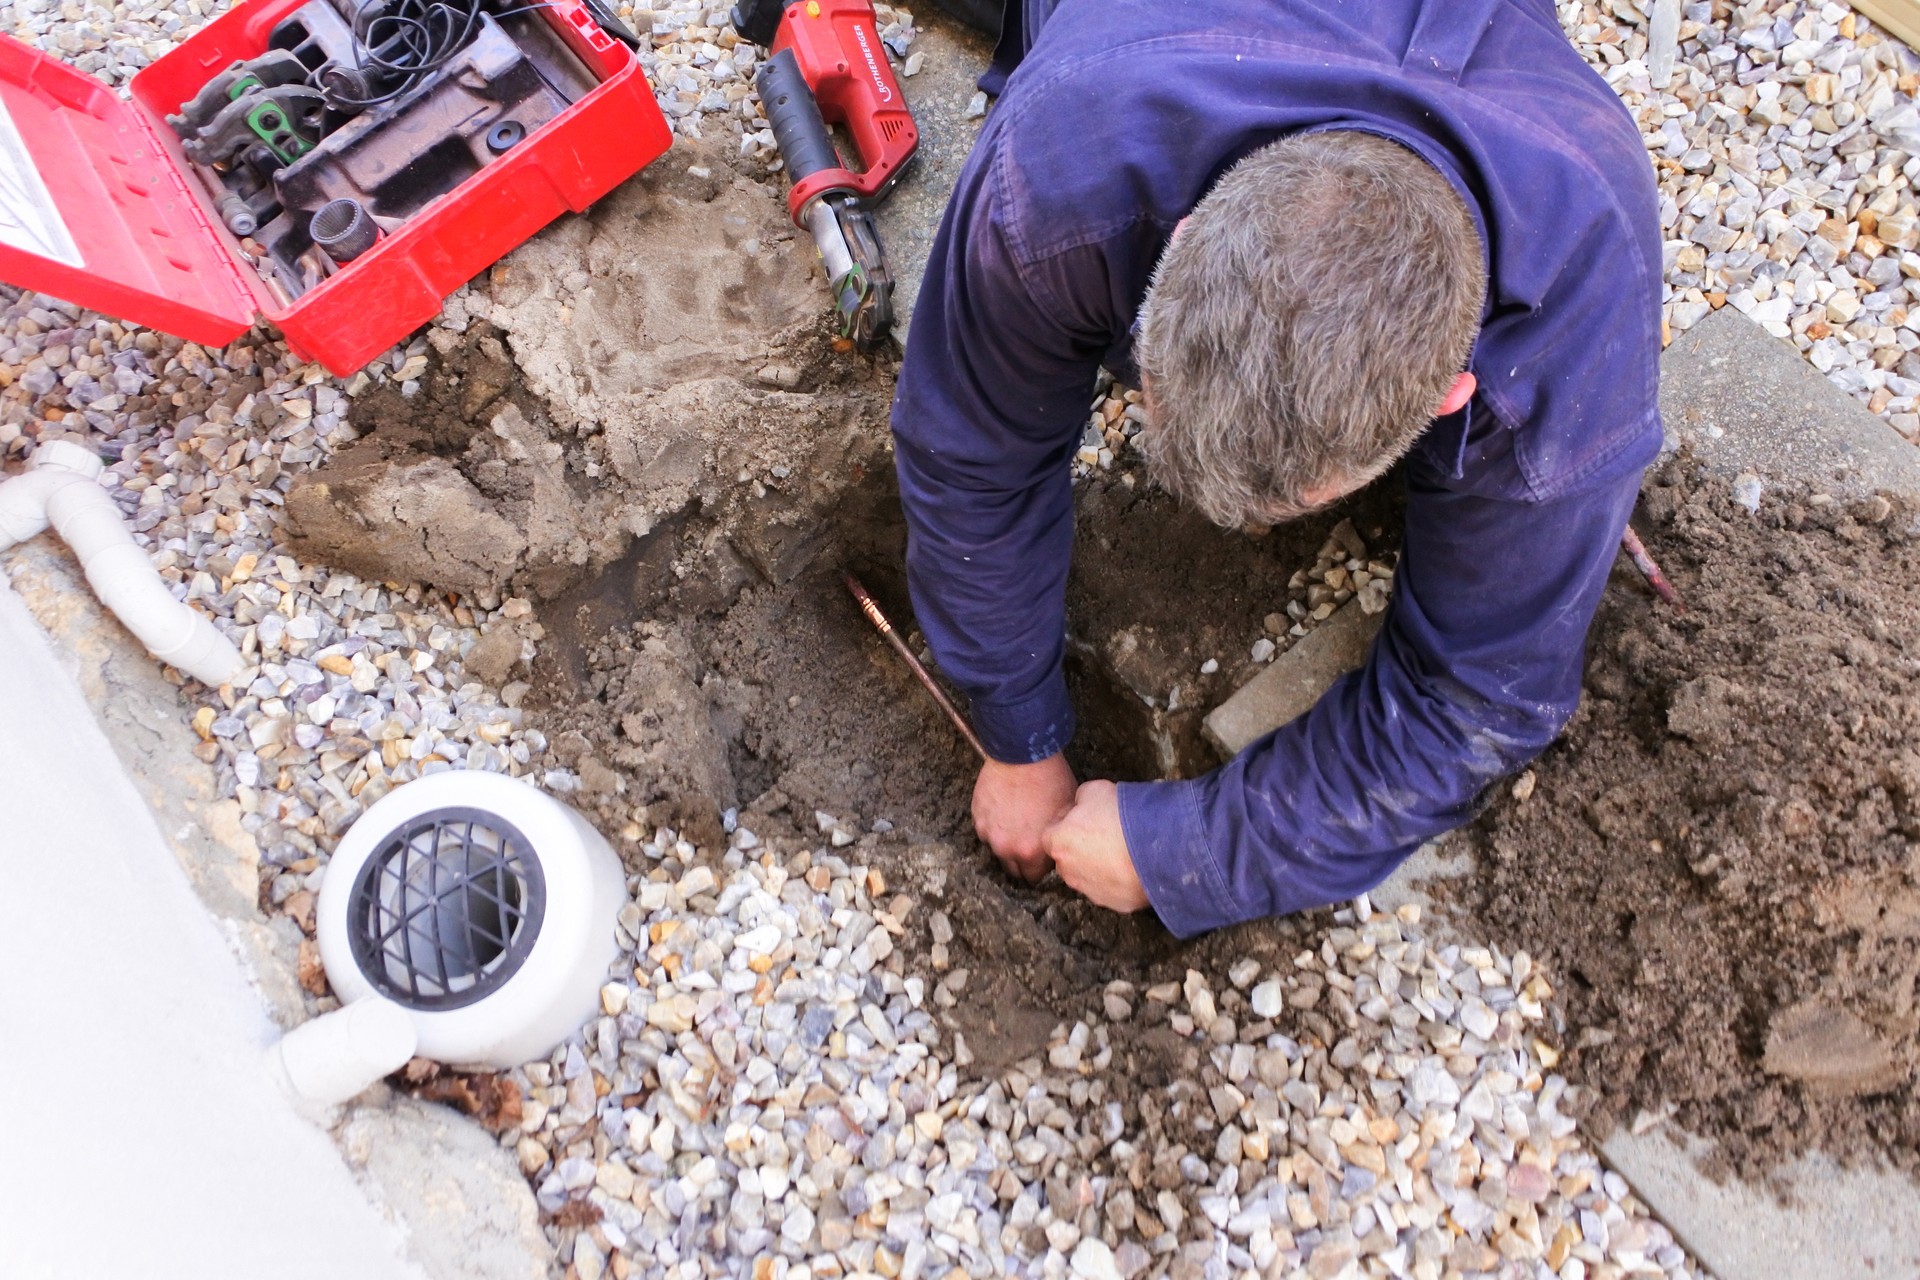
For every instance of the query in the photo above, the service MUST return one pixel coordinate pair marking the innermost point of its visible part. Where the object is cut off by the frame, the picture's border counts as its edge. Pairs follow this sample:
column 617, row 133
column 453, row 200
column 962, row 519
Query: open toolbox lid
column 94, row 212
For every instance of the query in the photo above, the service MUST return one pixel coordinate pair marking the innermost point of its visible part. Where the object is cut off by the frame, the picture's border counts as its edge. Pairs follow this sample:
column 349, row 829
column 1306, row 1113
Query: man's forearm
column 1477, row 668
column 988, row 408
column 988, row 580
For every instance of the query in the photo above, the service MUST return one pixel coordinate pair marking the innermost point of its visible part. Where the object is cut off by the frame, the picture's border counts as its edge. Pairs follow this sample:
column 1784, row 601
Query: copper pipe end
column 871, row 608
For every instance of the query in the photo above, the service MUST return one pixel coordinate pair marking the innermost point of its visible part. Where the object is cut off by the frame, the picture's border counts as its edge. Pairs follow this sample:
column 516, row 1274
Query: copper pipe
column 879, row 619
column 1643, row 561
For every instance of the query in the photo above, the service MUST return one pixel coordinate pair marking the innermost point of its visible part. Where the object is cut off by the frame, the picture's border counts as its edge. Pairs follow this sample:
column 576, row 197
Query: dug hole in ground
column 631, row 467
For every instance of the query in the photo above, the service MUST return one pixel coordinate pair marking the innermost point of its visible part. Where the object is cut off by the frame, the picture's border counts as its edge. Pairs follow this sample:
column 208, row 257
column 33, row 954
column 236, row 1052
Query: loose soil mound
column 664, row 354
column 1722, row 855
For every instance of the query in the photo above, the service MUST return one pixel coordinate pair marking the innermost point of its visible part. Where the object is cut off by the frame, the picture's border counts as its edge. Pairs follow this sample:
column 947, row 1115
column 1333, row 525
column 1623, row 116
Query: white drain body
column 481, row 906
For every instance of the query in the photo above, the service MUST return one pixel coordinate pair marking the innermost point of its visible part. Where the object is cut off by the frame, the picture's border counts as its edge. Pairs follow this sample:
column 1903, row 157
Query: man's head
column 1311, row 317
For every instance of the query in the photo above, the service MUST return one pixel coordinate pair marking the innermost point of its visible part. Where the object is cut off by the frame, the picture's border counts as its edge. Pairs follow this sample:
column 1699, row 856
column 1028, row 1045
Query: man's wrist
column 1026, row 768
column 1166, row 837
column 1029, row 730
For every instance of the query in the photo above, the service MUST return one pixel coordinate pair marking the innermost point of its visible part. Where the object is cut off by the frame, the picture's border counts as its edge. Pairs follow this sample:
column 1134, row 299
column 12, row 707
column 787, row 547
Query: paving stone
column 1842, row 1222
column 1294, row 682
column 1747, row 402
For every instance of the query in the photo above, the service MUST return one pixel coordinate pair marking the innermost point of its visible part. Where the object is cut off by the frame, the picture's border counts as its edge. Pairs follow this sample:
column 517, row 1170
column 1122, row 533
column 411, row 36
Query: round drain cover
column 446, row 909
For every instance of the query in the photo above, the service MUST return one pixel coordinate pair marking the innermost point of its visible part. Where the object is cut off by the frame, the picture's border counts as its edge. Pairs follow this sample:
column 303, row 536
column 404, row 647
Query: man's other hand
column 1014, row 803
column 1089, row 850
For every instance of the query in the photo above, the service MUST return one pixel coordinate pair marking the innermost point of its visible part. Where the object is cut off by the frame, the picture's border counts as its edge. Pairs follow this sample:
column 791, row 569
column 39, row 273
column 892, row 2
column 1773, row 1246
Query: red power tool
column 827, row 65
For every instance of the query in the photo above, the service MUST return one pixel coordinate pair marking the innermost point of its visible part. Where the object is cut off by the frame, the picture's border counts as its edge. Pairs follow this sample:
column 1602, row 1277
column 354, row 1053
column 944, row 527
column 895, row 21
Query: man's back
column 1125, row 112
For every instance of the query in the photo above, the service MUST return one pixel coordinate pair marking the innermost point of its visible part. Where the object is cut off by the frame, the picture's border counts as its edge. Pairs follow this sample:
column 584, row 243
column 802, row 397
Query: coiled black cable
column 407, row 40
column 421, row 36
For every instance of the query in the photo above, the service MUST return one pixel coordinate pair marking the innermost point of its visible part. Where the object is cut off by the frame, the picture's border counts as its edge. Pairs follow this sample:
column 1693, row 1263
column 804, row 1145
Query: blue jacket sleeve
column 999, row 370
column 1477, row 667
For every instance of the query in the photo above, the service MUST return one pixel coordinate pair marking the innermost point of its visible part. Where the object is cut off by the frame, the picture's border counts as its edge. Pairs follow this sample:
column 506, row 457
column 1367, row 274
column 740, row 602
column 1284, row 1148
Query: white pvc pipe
column 62, row 490
column 126, row 582
column 335, row 1056
column 23, row 503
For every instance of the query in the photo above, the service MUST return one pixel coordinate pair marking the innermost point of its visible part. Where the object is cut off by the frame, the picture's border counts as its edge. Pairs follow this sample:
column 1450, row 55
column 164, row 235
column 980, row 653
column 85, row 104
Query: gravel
column 1786, row 139
column 766, row 1093
column 793, row 1104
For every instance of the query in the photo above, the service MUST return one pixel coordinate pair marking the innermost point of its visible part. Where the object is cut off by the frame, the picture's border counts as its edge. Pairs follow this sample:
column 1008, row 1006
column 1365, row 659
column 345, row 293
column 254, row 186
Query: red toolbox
column 100, row 206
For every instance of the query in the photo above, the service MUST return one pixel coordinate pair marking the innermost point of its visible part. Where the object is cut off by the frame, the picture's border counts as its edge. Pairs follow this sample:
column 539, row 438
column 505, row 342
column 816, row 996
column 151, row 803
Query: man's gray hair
column 1306, row 324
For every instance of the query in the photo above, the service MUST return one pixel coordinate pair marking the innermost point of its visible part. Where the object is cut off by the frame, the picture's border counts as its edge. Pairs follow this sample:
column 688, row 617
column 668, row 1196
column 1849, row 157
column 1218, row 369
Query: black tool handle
column 798, row 129
column 610, row 23
column 759, row 20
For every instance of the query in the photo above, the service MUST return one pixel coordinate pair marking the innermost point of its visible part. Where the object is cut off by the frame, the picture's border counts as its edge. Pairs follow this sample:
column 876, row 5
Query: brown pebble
column 299, row 908
column 313, row 976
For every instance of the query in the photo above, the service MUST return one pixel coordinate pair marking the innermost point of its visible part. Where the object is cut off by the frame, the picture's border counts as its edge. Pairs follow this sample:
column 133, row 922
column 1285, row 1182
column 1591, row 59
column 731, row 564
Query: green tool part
column 273, row 127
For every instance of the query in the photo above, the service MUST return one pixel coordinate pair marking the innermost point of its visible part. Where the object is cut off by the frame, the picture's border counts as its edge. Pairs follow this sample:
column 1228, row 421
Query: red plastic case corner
column 100, row 207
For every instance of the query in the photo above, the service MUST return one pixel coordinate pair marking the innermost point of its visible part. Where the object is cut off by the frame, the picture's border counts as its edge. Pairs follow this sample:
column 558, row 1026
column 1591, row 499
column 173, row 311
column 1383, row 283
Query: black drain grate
column 446, row 909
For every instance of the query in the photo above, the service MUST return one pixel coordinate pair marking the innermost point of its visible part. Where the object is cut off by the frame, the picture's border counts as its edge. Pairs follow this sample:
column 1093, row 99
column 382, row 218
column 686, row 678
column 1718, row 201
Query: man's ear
column 1458, row 395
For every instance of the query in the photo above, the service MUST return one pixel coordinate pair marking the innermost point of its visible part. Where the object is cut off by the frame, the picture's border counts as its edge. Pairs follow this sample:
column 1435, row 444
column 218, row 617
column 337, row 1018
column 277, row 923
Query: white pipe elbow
column 335, row 1056
column 23, row 503
column 124, row 578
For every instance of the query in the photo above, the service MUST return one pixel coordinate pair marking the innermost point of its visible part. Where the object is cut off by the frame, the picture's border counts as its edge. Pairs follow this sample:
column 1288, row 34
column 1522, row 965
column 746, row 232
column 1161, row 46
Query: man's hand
column 1089, row 850
column 1014, row 803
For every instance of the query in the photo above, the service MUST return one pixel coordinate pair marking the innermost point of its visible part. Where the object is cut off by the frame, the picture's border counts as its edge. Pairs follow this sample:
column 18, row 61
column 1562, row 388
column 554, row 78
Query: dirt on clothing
column 1721, row 857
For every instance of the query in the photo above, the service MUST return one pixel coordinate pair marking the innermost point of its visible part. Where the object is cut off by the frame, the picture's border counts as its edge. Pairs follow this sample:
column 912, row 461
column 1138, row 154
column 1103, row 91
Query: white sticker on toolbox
column 29, row 219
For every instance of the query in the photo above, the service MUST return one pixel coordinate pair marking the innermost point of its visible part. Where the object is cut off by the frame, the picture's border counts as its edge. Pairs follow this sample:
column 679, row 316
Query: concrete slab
column 1840, row 1224
column 1433, row 863
column 145, row 719
column 469, row 1212
column 955, row 56
column 1294, row 682
column 146, row 1136
column 1749, row 402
